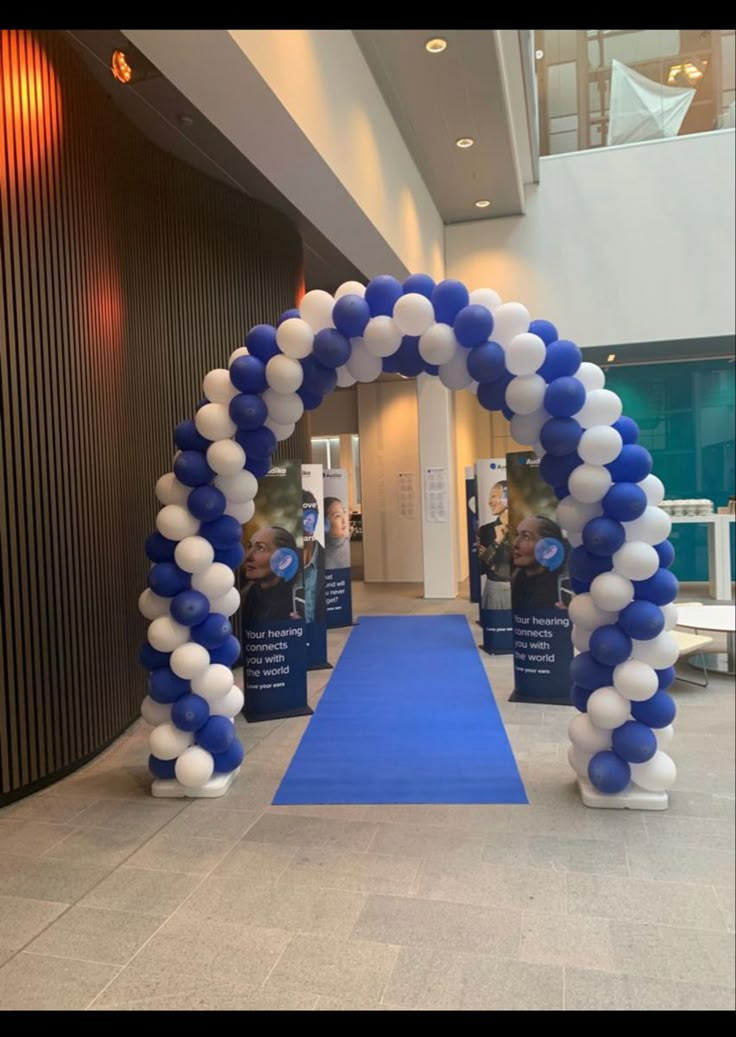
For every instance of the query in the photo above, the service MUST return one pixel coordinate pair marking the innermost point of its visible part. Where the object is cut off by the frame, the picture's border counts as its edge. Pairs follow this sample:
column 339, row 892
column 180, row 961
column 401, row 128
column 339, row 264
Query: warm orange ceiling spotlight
column 120, row 68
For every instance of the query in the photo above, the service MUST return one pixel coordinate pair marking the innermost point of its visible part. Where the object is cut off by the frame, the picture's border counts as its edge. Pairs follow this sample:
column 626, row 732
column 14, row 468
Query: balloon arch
column 556, row 402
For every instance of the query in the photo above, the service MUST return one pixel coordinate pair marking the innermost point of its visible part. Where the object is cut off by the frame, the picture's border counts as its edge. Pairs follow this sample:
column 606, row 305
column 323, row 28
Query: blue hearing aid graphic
column 284, row 563
column 310, row 520
column 550, row 553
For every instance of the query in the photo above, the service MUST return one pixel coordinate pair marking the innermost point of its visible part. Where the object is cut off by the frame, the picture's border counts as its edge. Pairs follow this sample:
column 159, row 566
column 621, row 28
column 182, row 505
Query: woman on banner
column 314, row 563
column 494, row 552
column 538, row 556
column 271, row 568
column 337, row 534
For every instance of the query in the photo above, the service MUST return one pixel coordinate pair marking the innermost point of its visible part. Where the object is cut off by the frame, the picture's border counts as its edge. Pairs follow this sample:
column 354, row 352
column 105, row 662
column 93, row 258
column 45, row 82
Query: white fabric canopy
column 642, row 109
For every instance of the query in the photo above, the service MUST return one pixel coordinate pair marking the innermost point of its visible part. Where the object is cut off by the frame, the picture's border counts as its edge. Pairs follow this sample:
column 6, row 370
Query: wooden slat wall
column 125, row 276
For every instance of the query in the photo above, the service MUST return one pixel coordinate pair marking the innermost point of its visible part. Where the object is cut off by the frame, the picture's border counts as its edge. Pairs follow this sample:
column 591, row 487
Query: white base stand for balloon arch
column 630, row 799
column 164, row 788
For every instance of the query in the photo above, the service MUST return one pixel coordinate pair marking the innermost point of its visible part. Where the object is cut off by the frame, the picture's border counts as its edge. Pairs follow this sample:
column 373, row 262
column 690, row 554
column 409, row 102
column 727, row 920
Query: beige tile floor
column 112, row 900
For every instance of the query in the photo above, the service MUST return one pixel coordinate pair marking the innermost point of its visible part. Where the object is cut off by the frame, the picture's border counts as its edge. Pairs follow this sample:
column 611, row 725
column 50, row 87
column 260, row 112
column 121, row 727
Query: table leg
column 714, row 557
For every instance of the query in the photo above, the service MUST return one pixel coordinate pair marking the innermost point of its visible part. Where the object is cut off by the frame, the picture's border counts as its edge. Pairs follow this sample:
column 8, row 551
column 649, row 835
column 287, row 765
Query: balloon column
column 555, row 401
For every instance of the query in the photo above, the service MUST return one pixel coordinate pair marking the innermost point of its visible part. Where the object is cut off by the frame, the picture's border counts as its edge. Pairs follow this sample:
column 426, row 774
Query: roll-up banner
column 540, row 587
column 471, row 512
column 312, row 604
column 274, row 642
column 493, row 552
column 337, row 548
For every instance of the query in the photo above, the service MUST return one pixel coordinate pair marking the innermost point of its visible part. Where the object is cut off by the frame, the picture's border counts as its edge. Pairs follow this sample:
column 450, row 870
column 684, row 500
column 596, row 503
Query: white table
column 719, row 551
column 721, row 618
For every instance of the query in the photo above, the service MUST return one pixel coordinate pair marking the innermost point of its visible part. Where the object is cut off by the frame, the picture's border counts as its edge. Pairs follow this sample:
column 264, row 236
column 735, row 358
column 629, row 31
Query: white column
column 437, row 459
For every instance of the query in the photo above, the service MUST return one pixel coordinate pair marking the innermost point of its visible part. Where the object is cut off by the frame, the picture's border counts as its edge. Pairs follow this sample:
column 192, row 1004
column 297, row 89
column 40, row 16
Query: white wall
column 337, row 415
column 627, row 244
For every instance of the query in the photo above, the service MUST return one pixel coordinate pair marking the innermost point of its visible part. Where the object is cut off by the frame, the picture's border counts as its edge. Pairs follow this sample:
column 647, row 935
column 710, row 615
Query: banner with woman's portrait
column 272, row 599
column 493, row 554
column 540, row 586
column 339, row 591
column 313, row 603
column 471, row 515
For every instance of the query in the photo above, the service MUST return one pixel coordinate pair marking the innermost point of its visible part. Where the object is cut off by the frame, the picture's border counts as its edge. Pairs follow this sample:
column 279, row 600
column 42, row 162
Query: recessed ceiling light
column 436, row 45
column 482, row 203
column 120, row 68
column 611, row 358
column 465, row 142
column 540, row 55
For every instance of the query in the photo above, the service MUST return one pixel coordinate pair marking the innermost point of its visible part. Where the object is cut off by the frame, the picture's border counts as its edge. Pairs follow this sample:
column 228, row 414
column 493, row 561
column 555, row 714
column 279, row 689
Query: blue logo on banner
column 338, row 595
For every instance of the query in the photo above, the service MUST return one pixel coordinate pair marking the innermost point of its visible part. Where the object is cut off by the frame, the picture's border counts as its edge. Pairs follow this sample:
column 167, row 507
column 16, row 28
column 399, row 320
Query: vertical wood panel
column 125, row 276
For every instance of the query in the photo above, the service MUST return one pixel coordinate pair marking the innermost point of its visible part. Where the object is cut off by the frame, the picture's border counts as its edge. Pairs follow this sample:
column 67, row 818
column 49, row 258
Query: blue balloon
column 545, row 330
column 233, row 557
column 166, row 579
column 258, row 466
column 564, row 397
column 603, row 536
column 317, row 377
column 634, row 742
column 261, row 340
column 665, row 677
column 421, row 284
column 230, row 760
column 586, row 566
column 207, row 503
column 190, row 712
column 433, row 369
column 473, row 325
column 448, row 299
column 259, row 442
column 666, row 553
column 331, row 348
column 293, row 313
column 492, row 395
column 163, row 769
column 660, row 588
column 151, row 658
column 159, row 548
column 248, row 411
column 228, row 654
column 508, row 414
column 560, row 436
column 625, row 501
column 609, row 645
column 562, row 359
column 216, row 735
column 248, row 374
column 213, row 632
column 589, row 673
column 486, row 362
column 391, row 363
column 284, row 563
column 580, row 698
column 633, row 464
column 557, row 470
column 187, row 437
column 224, row 532
column 657, row 711
column 190, row 607
column 549, row 553
column 627, row 428
column 164, row 686
column 608, row 772
column 191, row 469
column 350, row 314
column 408, row 358
column 641, row 620
column 311, row 400
column 382, row 293
column 579, row 586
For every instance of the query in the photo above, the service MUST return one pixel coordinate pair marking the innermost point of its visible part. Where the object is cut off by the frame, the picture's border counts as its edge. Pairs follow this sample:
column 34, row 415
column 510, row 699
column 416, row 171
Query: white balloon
column 240, row 351
column 363, row 365
column 669, row 612
column 579, row 761
column 194, row 767
column 438, row 344
column 525, row 353
column 607, row 709
column 575, row 539
column 193, row 554
column 214, row 581
column 589, row 483
column 155, row 712
column 601, row 407
column 454, row 374
column 284, row 374
column 165, row 634
column 652, row 527
column 635, row 560
column 189, row 660
column 413, row 313
column 656, row 775
column 573, row 515
column 151, row 605
column 175, row 522
column 170, row 491
column 654, row 489
column 284, row 408
column 229, row 705
column 660, row 651
column 344, row 378
column 591, row 376
column 509, row 320
column 664, row 736
column 586, row 737
column 635, row 680
column 584, row 612
column 525, row 428
column 238, row 488
column 242, row 512
column 539, row 450
column 382, row 337
column 167, row 742
column 295, row 338
column 485, row 297
column 611, row 591
column 350, row 288
column 218, row 388
column 581, row 638
column 473, row 387
column 600, row 444
column 213, row 421
column 316, row 309
column 281, row 432
column 226, row 457
column 214, row 683
column 526, row 394
column 228, row 604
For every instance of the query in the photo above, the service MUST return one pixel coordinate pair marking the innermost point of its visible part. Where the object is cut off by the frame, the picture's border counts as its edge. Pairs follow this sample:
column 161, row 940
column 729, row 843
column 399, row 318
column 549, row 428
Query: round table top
column 707, row 617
